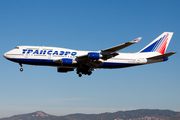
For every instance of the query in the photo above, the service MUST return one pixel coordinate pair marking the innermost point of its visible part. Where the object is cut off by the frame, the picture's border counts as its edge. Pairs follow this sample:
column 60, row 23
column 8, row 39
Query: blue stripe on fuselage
column 116, row 65
column 49, row 62
column 32, row 61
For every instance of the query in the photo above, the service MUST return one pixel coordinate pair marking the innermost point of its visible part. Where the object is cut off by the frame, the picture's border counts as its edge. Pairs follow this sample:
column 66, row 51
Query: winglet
column 136, row 40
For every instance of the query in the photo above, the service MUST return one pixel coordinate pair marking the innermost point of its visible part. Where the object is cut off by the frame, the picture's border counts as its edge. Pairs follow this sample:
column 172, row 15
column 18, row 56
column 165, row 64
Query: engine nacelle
column 67, row 61
column 59, row 69
column 93, row 55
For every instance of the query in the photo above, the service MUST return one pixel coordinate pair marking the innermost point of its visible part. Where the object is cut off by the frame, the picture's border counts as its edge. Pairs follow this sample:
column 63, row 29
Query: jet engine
column 67, row 61
column 94, row 56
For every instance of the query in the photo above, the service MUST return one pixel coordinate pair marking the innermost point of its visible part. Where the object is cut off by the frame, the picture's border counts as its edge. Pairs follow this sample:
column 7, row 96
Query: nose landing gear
column 21, row 69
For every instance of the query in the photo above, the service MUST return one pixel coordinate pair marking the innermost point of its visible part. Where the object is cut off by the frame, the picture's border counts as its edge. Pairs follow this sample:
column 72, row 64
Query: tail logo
column 158, row 46
column 162, row 47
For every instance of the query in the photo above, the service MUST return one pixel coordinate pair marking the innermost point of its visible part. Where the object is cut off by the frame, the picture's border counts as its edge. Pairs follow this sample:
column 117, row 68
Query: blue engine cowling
column 93, row 55
column 59, row 69
column 66, row 61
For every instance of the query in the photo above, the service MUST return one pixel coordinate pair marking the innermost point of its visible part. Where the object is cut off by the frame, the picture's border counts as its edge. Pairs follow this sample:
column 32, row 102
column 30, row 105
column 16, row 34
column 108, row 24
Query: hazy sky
column 88, row 25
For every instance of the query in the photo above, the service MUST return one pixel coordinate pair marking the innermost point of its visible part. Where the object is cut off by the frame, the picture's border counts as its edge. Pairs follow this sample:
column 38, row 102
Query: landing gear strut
column 21, row 69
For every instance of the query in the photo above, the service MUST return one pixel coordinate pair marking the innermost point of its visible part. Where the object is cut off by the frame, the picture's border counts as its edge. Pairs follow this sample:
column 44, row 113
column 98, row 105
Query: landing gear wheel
column 80, row 75
column 21, row 69
column 89, row 73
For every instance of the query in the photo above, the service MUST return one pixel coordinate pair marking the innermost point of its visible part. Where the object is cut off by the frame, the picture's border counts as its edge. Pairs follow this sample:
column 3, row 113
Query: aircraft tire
column 80, row 75
column 21, row 69
column 89, row 73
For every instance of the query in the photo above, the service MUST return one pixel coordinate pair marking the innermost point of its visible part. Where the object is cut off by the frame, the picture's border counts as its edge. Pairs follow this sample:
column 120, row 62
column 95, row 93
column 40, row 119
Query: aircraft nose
column 5, row 56
column 10, row 54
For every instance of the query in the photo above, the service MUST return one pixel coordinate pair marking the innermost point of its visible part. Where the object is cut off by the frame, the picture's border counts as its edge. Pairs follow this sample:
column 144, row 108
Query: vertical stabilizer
column 160, row 44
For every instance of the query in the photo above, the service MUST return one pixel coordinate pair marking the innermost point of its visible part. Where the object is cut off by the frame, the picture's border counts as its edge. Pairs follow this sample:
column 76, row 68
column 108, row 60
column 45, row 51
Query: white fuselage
column 86, row 61
column 36, row 55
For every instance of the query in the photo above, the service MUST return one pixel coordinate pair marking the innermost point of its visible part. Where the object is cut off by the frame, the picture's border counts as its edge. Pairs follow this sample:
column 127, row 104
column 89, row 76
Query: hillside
column 142, row 114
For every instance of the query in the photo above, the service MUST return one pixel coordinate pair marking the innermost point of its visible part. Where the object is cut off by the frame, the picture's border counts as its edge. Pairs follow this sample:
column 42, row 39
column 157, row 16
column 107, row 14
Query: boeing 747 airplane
column 86, row 61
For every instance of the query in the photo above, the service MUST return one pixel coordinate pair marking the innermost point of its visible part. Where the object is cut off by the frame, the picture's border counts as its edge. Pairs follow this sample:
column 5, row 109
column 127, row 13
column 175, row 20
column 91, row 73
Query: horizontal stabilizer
column 162, row 56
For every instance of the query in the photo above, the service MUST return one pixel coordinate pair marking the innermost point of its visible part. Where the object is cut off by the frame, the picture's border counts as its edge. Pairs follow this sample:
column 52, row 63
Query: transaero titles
column 49, row 52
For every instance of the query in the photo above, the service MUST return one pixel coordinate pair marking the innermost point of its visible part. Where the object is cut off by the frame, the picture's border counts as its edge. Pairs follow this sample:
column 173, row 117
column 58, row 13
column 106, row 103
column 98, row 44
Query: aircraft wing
column 111, row 52
column 104, row 54
column 119, row 47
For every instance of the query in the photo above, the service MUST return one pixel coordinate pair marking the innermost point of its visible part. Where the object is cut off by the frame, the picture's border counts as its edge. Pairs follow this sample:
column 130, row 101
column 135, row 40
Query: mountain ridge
column 140, row 114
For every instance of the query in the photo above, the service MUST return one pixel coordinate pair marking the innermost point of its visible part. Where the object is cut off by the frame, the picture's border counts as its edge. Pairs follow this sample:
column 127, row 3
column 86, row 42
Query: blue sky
column 88, row 25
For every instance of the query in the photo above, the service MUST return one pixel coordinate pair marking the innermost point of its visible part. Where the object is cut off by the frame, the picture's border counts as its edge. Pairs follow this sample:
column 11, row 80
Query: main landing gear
column 80, row 75
column 83, row 71
column 21, row 69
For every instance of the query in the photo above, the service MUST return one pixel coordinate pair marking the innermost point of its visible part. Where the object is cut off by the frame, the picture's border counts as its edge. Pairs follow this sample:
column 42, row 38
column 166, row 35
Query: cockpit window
column 16, row 47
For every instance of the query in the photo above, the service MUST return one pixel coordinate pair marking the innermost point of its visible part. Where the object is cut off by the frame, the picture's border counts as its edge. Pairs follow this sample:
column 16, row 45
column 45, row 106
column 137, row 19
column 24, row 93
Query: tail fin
column 160, row 44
